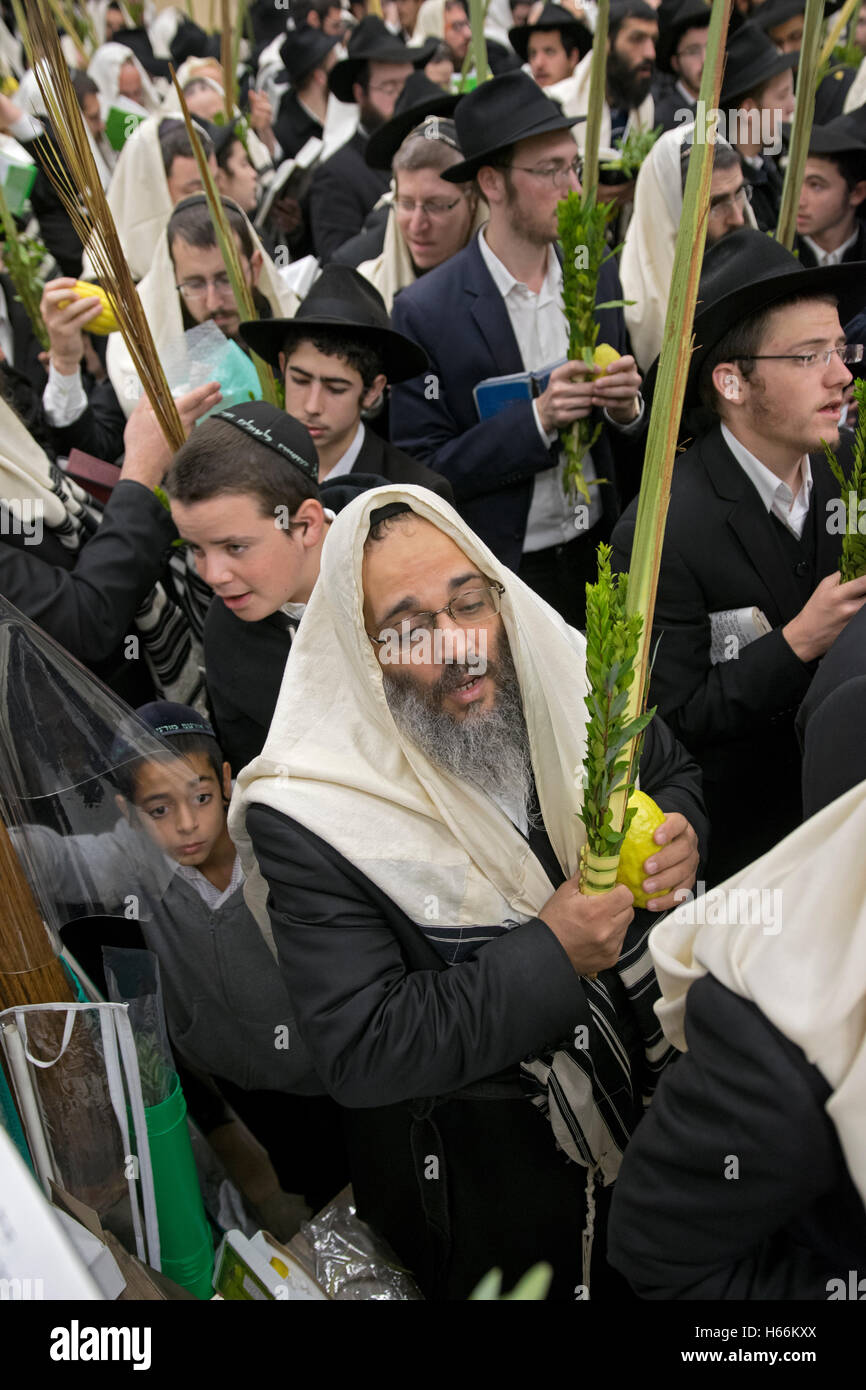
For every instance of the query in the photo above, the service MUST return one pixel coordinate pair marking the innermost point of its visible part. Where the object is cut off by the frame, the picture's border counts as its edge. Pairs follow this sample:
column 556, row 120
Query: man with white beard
column 414, row 815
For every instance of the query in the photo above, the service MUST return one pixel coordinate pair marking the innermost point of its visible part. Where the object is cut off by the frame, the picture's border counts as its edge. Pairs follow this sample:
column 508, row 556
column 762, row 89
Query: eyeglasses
column 391, row 88
column 198, row 287
column 695, row 50
column 729, row 201
column 432, row 207
column 558, row 173
column 851, row 352
column 466, row 610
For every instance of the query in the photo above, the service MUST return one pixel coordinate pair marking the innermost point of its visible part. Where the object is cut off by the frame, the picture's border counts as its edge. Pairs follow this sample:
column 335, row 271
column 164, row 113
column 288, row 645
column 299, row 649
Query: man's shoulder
column 427, row 291
column 393, row 463
column 690, row 490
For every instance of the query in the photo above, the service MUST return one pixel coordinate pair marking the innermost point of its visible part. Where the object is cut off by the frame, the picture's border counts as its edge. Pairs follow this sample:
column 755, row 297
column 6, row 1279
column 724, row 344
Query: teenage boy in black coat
column 752, row 526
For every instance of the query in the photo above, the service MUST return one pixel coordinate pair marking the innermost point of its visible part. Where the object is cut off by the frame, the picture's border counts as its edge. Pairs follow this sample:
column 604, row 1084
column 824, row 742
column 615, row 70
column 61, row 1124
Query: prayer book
column 734, row 628
column 497, row 392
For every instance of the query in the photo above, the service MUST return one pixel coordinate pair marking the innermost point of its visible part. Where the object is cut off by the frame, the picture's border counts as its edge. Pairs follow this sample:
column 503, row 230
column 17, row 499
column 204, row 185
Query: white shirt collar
column 771, row 490
column 823, row 257
column 346, row 462
column 505, row 282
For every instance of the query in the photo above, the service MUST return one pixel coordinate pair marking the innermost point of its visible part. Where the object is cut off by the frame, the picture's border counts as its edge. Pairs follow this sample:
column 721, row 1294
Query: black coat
column 244, row 662
column 294, row 126
column 98, row 429
column 766, row 184
column 830, row 720
column 852, row 301
column 343, row 191
column 459, row 317
column 87, row 599
column 666, row 108
column 721, row 551
column 395, row 1035
column 789, row 1222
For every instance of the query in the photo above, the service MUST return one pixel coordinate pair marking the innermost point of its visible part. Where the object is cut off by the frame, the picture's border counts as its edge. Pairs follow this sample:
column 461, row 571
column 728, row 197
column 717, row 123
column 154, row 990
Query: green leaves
column 611, row 648
column 583, row 236
column 633, row 150
column 23, row 257
column 852, row 562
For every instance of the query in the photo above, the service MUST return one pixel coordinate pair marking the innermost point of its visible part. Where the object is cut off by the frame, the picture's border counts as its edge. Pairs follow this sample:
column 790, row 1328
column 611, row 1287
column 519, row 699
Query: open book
column 497, row 392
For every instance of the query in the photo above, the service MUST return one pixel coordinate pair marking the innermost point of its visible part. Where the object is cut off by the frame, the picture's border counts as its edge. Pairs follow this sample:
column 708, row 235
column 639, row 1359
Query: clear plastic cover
column 133, row 979
column 205, row 354
column 71, row 755
column 352, row 1263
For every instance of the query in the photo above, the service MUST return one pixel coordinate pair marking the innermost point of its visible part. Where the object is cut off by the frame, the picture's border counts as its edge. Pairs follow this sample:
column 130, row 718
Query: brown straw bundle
column 71, row 168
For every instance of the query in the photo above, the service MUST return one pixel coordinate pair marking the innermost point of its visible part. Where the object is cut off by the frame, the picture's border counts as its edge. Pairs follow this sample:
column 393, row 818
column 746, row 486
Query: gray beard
column 489, row 748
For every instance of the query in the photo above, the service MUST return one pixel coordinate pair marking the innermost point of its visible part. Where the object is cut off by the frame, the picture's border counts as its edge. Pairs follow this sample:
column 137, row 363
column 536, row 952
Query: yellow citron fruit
column 604, row 354
column 106, row 320
column 638, row 846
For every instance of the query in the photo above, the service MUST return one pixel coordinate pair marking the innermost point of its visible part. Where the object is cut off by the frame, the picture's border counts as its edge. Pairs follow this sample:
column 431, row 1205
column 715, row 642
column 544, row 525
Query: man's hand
column 616, row 388
column 66, row 326
column 148, row 453
column 673, row 867
column 824, row 615
column 261, row 111
column 590, row 930
column 620, row 193
column 568, row 396
column 10, row 112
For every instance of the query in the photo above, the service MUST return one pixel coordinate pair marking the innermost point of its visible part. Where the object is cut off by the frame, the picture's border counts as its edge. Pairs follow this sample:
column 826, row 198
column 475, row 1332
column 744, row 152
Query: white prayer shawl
column 138, row 196
column 429, row 23
column 647, row 261
column 335, row 761
column 856, row 96
column 392, row 270
column 104, row 68
column 161, row 304
column 806, row 972
column 572, row 93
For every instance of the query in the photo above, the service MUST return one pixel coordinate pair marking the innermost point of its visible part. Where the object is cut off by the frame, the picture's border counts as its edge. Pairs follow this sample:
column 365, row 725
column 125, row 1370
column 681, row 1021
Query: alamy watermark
column 22, row 517
column 721, row 907
column 424, row 646
column 755, row 126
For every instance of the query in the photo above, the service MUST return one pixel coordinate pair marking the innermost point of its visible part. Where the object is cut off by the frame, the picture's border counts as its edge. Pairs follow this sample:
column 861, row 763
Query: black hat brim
column 324, row 44
column 718, row 318
column 384, row 143
column 401, row 358
column 518, row 37
column 344, row 75
column 468, row 168
column 748, row 78
column 823, row 142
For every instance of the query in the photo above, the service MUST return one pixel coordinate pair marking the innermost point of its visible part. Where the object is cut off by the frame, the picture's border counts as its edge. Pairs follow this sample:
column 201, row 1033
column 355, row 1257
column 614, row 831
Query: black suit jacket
column 830, row 720
column 853, row 301
column 294, row 126
column 766, row 184
column 394, row 466
column 790, row 1221
column 343, row 191
column 459, row 317
column 721, row 551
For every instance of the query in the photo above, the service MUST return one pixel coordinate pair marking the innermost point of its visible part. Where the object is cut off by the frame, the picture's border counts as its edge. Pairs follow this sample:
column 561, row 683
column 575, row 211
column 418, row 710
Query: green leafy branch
column 852, row 563
column 632, row 151
column 23, row 257
column 583, row 236
column 531, row 1287
column 611, row 649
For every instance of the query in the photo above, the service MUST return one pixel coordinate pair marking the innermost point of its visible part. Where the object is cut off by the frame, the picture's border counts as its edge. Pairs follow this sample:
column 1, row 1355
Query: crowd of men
column 474, row 1043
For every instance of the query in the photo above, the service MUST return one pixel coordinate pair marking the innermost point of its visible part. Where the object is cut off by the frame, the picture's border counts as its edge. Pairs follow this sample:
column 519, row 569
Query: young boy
column 227, row 1008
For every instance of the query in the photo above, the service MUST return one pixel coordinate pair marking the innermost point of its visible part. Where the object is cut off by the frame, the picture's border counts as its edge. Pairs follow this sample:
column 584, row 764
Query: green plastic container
column 186, row 1244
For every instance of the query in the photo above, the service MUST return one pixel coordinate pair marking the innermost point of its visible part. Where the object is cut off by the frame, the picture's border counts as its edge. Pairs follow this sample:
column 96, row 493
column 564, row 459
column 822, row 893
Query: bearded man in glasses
column 749, row 594
column 412, row 833
column 494, row 310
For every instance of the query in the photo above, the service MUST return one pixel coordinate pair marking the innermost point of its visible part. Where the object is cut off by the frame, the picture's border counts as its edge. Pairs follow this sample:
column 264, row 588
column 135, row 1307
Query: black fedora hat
column 340, row 299
column 844, row 135
column 775, row 12
column 191, row 41
column 500, row 112
column 138, row 42
column 303, row 50
column 751, row 60
column 419, row 98
column 745, row 273
column 551, row 17
column 371, row 42
column 690, row 14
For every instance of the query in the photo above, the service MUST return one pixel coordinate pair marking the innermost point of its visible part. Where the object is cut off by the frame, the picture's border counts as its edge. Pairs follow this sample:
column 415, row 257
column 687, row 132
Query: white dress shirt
column 212, row 896
column 830, row 257
column 542, row 338
column 346, row 463
column 64, row 398
column 790, row 508
column 6, row 339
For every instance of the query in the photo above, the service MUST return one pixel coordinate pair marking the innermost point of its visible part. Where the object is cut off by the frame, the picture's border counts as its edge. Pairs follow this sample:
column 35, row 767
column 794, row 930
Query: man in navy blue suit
column 494, row 309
